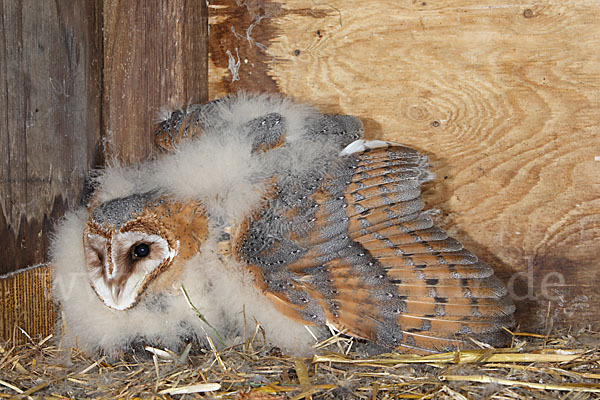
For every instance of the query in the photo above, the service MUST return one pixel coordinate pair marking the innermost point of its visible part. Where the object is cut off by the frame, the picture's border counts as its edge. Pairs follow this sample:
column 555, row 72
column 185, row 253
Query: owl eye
column 140, row 250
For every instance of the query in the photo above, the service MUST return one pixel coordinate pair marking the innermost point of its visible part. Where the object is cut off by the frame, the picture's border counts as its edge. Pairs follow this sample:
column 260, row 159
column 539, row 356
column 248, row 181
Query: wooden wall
column 155, row 58
column 50, row 85
column 504, row 97
column 81, row 82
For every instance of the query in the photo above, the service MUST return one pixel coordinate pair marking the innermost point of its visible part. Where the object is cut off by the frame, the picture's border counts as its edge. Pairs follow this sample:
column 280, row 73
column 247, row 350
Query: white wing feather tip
column 358, row 146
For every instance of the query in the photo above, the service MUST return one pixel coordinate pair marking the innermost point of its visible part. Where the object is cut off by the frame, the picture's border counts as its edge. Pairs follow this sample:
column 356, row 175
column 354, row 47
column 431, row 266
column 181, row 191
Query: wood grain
column 50, row 71
column 504, row 98
column 155, row 57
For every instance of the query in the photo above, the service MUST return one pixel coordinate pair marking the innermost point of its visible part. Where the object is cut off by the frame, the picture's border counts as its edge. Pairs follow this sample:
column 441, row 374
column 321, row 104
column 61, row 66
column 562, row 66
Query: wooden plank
column 503, row 97
column 155, row 56
column 50, row 70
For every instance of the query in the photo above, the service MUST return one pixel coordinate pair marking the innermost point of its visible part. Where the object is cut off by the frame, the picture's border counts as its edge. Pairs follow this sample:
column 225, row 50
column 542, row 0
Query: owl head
column 130, row 241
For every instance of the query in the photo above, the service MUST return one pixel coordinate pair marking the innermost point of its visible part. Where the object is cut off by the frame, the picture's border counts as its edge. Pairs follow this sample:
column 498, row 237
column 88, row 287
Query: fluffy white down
column 243, row 107
column 219, row 169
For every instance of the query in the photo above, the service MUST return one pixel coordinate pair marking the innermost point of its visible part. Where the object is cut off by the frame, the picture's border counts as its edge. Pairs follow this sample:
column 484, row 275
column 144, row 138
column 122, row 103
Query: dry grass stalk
column 535, row 367
column 567, row 387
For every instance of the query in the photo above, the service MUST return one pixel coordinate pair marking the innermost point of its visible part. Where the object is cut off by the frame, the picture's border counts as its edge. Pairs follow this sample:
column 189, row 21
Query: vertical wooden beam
column 50, row 74
column 155, row 56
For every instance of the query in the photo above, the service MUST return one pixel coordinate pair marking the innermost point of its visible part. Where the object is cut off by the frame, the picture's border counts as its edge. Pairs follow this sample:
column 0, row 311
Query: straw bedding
column 536, row 366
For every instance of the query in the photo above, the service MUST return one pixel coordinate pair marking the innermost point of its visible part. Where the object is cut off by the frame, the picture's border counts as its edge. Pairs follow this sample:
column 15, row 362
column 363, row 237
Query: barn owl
column 270, row 211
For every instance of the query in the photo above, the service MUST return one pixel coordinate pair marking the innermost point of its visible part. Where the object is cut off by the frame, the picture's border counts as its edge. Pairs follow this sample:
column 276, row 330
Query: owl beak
column 115, row 294
column 116, row 291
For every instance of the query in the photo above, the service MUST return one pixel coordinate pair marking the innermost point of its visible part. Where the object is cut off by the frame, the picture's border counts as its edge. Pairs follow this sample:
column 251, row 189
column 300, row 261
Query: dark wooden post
column 155, row 56
column 65, row 89
column 50, row 131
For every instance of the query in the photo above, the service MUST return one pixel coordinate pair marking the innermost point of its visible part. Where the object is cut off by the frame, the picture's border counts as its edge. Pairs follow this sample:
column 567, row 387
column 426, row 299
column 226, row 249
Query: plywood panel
column 50, row 71
column 503, row 97
column 155, row 56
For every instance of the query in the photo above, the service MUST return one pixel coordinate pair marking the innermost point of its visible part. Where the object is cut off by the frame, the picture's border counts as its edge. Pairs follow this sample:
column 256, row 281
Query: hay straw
column 10, row 386
column 567, row 387
column 202, row 387
column 536, row 367
column 200, row 315
column 463, row 357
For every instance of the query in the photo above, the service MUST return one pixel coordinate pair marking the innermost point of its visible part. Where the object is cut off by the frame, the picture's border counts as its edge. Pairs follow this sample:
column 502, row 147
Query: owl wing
column 353, row 247
column 185, row 124
column 265, row 132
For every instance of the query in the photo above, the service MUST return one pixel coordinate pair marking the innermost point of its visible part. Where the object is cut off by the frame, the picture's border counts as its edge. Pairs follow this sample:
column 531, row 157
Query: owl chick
column 271, row 211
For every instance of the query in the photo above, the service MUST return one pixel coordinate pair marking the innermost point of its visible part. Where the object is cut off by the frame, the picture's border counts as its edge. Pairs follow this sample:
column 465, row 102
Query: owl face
column 128, row 242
